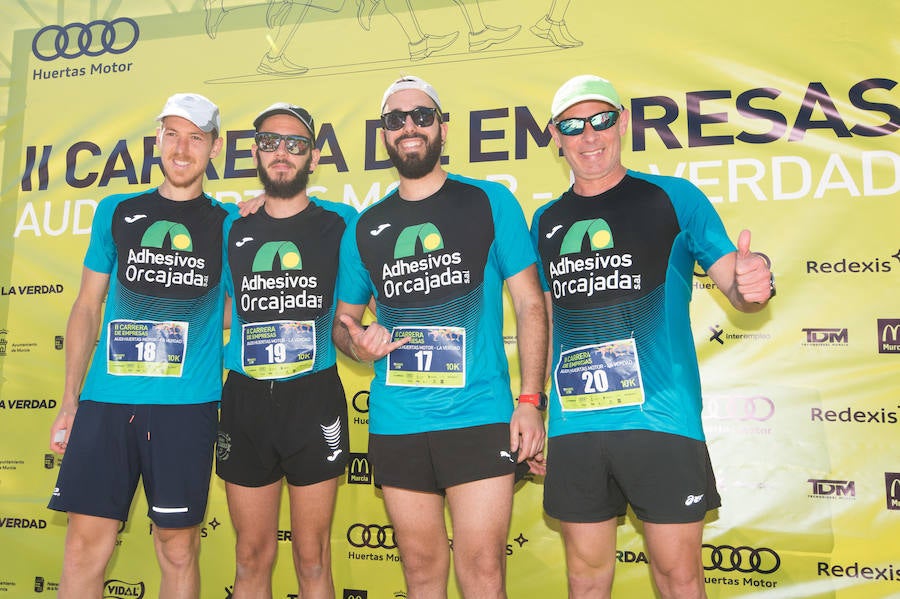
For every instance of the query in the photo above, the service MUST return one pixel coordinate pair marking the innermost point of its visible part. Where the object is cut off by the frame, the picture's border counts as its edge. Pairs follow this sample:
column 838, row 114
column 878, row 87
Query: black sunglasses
column 421, row 116
column 600, row 121
column 294, row 144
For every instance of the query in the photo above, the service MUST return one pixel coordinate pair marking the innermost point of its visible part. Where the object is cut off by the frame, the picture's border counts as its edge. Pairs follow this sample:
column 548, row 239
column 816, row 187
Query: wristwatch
column 771, row 285
column 538, row 400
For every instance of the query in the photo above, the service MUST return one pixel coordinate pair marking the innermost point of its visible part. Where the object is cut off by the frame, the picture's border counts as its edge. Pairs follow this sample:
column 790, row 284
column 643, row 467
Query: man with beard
column 434, row 255
column 147, row 409
column 284, row 414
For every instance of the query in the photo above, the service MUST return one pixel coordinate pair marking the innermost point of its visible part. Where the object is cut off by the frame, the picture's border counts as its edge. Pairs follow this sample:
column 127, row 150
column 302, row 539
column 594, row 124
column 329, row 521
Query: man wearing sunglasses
column 434, row 254
column 617, row 256
column 284, row 414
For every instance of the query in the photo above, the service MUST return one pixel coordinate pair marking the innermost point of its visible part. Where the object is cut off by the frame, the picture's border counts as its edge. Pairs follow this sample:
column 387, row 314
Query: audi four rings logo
column 744, row 559
column 754, row 407
column 360, row 401
column 372, row 536
column 79, row 39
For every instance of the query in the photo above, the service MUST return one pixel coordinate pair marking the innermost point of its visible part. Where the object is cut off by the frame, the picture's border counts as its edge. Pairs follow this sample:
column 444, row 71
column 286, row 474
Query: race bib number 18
column 146, row 348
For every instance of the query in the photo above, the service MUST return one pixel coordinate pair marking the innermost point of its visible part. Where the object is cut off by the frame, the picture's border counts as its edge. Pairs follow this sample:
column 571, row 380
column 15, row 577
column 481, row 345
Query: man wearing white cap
column 284, row 414
column 147, row 408
column 434, row 255
column 617, row 254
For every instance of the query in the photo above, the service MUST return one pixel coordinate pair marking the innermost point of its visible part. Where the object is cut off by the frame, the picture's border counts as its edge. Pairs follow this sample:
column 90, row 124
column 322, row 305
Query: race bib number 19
column 596, row 377
column 278, row 349
column 146, row 348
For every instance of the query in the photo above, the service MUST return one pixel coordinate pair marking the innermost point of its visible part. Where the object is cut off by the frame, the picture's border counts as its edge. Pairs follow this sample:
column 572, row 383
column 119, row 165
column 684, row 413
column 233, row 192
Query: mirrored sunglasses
column 293, row 144
column 600, row 121
column 421, row 117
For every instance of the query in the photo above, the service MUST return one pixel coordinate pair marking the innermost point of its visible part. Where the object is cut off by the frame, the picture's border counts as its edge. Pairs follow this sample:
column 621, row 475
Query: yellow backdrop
column 784, row 113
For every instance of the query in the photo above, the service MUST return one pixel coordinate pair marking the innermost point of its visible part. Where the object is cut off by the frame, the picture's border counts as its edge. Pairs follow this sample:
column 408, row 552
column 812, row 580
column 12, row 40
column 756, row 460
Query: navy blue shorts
column 294, row 429
column 433, row 461
column 112, row 446
column 667, row 479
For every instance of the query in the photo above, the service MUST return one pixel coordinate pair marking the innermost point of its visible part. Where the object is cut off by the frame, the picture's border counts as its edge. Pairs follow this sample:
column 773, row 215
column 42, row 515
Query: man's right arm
column 362, row 343
column 81, row 336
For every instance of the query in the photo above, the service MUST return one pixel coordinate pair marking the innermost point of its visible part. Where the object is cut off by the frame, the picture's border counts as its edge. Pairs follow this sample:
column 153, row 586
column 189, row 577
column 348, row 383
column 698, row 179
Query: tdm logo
column 179, row 237
column 832, row 489
column 598, row 234
column 825, row 337
column 286, row 253
column 425, row 234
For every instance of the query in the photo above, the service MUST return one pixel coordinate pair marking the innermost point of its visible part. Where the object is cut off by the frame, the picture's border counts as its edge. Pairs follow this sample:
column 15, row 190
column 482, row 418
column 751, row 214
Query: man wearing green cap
column 617, row 254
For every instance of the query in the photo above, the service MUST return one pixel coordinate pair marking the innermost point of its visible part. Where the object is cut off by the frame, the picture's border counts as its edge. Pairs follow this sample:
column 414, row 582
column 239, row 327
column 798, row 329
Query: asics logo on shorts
column 693, row 499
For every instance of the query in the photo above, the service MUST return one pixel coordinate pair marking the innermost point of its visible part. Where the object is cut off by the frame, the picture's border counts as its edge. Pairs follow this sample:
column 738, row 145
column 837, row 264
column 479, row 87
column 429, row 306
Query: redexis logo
column 285, row 252
column 597, row 232
column 427, row 234
column 179, row 237
column 85, row 39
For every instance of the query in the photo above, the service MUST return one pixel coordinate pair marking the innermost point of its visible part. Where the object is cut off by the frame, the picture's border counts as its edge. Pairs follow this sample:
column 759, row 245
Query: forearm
column 532, row 339
column 81, row 339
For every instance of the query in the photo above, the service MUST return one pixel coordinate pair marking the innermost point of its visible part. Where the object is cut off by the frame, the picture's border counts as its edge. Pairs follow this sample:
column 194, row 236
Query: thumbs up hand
column 752, row 272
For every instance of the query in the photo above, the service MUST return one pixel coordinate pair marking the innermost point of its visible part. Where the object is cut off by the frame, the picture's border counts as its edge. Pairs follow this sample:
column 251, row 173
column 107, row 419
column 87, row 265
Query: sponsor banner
column 790, row 140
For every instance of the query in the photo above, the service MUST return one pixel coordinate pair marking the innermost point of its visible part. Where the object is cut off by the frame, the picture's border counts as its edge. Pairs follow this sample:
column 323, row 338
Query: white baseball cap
column 411, row 82
column 195, row 108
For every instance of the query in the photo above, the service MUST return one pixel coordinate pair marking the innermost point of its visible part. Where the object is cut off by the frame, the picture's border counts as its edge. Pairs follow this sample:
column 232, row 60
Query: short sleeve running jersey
column 161, row 335
column 619, row 270
column 280, row 274
column 436, row 269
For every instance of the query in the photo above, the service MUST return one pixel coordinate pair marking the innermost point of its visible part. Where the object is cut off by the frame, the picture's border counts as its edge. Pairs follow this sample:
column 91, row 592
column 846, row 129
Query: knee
column 314, row 561
column 178, row 548
column 484, row 566
column 256, row 554
column 680, row 582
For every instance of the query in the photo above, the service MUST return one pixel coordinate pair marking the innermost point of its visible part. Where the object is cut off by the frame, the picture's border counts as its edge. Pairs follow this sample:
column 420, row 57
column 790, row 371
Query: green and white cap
column 583, row 88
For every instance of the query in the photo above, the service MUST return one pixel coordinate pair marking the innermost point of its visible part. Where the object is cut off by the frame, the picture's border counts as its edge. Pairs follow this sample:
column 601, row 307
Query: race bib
column 146, row 348
column 278, row 349
column 433, row 357
column 597, row 377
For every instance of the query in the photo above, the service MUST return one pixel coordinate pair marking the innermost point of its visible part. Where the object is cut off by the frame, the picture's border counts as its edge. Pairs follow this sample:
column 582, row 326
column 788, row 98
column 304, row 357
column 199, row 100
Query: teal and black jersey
column 436, row 269
column 618, row 268
column 161, row 337
column 280, row 274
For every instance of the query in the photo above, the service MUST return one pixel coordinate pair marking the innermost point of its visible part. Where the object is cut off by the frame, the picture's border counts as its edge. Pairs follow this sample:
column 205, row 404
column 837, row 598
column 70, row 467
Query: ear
column 216, row 147
column 314, row 160
column 554, row 132
column 622, row 123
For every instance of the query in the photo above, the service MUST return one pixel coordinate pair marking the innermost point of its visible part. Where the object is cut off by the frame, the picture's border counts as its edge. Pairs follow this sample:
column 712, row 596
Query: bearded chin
column 416, row 167
column 283, row 189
